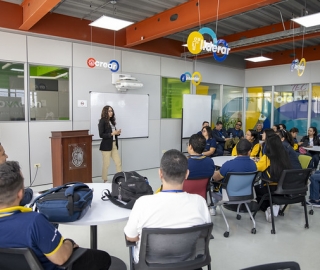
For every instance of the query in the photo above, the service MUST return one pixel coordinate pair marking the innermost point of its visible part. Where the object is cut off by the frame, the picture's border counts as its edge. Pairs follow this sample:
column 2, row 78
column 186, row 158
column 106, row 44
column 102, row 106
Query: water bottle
column 231, row 135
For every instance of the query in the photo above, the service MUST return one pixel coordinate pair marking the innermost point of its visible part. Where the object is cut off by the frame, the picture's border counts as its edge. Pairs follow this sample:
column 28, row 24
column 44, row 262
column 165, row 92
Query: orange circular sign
column 91, row 62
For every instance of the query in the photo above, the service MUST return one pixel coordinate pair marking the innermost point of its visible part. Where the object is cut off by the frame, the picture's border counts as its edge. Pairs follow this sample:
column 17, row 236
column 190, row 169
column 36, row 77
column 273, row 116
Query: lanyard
column 173, row 190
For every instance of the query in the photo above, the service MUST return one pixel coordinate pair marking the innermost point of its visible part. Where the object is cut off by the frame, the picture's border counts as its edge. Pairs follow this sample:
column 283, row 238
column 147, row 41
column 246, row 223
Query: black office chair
column 25, row 259
column 173, row 249
column 275, row 266
column 292, row 188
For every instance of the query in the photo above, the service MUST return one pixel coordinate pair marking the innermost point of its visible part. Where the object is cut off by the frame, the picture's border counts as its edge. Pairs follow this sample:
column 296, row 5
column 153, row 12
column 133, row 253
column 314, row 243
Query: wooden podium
column 71, row 156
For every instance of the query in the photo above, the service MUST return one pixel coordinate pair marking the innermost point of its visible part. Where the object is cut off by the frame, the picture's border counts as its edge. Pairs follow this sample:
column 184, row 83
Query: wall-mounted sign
column 113, row 65
column 82, row 103
column 298, row 66
column 195, row 78
column 196, row 43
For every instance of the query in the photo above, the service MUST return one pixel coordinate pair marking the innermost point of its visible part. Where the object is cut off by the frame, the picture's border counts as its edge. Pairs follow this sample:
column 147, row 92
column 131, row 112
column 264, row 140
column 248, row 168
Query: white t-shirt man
column 166, row 210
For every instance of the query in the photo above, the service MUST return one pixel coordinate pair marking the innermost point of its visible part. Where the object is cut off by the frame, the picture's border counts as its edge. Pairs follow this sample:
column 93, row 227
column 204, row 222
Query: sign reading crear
column 113, row 65
column 196, row 43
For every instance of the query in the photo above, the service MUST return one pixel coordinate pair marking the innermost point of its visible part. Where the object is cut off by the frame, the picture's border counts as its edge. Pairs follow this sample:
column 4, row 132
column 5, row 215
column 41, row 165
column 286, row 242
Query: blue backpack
column 65, row 203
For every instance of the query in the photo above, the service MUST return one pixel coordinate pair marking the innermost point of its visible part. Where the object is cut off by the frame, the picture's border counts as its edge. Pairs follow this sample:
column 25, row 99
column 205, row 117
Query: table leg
column 93, row 237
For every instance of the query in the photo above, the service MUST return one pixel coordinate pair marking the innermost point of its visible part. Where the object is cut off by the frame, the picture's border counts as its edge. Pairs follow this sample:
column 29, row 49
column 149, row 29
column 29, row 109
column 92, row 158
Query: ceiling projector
column 126, row 83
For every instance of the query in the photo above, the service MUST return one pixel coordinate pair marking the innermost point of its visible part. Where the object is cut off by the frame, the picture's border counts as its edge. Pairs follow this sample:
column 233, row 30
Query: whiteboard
column 196, row 109
column 131, row 113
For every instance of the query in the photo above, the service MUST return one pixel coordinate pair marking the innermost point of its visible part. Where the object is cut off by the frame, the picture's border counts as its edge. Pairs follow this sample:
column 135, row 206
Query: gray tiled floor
column 242, row 249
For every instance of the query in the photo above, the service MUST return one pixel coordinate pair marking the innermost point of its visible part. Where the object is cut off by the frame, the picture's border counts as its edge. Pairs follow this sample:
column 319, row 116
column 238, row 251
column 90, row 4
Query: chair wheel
column 254, row 231
column 273, row 232
column 226, row 234
column 238, row 217
column 311, row 212
column 306, row 226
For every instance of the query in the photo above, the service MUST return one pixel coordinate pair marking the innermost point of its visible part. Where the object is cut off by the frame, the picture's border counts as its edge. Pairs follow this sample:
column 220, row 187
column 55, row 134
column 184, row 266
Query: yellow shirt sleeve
column 295, row 147
column 263, row 163
column 256, row 149
column 234, row 151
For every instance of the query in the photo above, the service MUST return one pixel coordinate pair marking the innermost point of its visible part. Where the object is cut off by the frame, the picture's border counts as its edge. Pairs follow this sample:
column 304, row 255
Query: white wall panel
column 14, row 138
column 40, row 148
column 140, row 63
column 13, row 47
column 49, row 51
column 139, row 154
column 221, row 75
column 82, row 52
column 279, row 75
column 170, row 135
column 174, row 68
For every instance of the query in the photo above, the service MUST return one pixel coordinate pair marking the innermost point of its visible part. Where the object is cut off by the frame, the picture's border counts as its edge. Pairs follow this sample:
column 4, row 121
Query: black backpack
column 127, row 187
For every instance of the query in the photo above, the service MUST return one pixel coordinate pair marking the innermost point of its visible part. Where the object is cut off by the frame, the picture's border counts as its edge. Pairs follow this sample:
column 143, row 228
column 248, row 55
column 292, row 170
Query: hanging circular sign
column 302, row 67
column 195, row 78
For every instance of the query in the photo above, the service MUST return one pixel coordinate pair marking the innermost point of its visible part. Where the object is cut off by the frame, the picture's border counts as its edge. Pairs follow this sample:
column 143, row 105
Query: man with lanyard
column 20, row 227
column 170, row 208
column 199, row 165
column 220, row 135
column 236, row 131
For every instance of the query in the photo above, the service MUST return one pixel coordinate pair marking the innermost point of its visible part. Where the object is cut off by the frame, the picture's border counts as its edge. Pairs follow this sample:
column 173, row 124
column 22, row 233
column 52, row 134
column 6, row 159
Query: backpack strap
column 106, row 193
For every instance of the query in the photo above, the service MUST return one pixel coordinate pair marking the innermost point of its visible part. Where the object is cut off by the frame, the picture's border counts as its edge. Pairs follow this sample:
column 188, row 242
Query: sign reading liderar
column 219, row 47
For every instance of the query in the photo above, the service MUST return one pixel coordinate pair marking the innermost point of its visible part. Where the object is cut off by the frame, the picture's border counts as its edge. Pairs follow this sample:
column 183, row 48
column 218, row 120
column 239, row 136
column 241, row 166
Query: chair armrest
column 267, row 181
column 76, row 254
column 129, row 243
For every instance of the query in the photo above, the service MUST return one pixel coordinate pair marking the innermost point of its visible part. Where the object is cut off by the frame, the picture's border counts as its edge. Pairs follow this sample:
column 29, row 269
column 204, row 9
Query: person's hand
column 299, row 143
column 227, row 139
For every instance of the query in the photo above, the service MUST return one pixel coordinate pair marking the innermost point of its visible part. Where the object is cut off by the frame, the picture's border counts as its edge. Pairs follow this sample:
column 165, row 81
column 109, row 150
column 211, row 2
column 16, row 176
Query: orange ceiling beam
column 187, row 13
column 286, row 57
column 34, row 11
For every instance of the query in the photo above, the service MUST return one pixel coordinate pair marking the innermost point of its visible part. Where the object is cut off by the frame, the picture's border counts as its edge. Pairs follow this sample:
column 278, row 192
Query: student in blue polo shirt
column 204, row 124
column 242, row 163
column 20, row 227
column 210, row 149
column 199, row 166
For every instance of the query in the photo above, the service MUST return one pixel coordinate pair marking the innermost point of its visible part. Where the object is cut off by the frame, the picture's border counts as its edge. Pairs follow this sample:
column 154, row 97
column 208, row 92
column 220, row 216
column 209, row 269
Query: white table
column 219, row 161
column 313, row 148
column 101, row 212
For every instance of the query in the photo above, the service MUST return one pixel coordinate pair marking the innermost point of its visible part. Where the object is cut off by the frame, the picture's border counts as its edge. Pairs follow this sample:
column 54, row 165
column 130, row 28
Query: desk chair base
column 226, row 233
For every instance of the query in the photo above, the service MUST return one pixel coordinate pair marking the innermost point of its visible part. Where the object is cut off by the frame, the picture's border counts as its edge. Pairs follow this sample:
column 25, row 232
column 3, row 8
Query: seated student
column 275, row 128
column 170, row 208
column 252, row 137
column 282, row 126
column 242, row 163
column 204, row 124
column 294, row 132
column 199, row 166
column 287, row 142
column 315, row 189
column 20, row 227
column 220, row 135
column 210, row 149
column 236, row 131
column 259, row 130
column 312, row 139
column 271, row 164
column 28, row 192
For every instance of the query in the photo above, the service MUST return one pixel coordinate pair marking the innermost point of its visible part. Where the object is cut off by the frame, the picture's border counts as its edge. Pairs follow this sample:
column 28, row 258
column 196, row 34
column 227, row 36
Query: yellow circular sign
column 302, row 67
column 195, row 42
column 196, row 78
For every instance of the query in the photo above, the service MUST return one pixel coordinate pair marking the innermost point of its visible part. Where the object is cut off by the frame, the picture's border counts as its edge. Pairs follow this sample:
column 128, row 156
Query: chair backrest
column 175, row 249
column 239, row 186
column 196, row 186
column 19, row 258
column 276, row 266
column 293, row 182
column 304, row 161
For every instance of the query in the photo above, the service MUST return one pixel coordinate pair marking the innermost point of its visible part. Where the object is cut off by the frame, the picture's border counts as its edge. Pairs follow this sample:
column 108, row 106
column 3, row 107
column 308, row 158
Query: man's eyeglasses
column 238, row 125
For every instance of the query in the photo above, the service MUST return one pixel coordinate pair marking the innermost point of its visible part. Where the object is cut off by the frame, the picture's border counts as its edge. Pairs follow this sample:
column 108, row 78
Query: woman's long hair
column 278, row 156
column 286, row 135
column 209, row 131
column 105, row 115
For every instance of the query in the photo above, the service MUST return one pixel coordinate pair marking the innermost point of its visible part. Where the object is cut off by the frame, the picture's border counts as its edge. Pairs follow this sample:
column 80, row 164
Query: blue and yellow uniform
column 255, row 152
column 20, row 227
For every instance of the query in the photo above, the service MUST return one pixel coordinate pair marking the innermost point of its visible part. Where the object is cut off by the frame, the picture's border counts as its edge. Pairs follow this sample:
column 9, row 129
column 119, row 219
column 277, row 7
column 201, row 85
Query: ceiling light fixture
column 6, row 65
column 17, row 69
column 110, row 23
column 309, row 20
column 185, row 45
column 258, row 59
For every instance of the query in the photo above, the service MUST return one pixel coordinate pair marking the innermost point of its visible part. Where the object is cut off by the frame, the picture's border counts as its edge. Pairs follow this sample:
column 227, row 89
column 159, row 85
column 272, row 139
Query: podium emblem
column 77, row 156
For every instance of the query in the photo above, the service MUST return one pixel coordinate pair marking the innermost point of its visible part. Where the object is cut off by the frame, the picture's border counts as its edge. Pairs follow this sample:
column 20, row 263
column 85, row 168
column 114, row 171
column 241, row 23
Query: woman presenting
column 109, row 143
